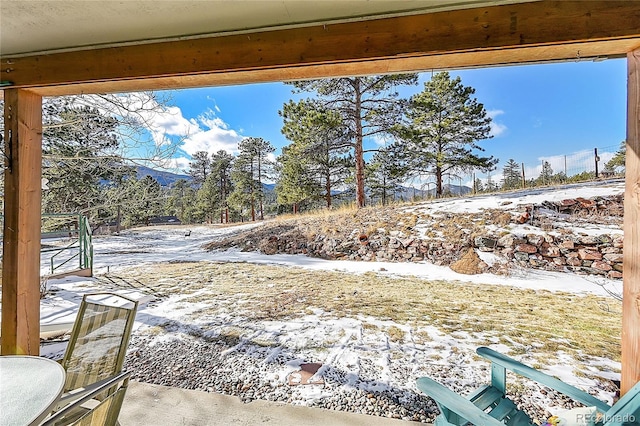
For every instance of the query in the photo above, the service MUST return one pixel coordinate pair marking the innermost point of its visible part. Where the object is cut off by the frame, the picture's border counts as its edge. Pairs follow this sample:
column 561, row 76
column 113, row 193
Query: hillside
column 576, row 228
column 163, row 178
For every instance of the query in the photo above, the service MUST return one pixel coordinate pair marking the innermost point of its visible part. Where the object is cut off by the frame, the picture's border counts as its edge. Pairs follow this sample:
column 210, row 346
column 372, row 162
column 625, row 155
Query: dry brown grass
column 521, row 318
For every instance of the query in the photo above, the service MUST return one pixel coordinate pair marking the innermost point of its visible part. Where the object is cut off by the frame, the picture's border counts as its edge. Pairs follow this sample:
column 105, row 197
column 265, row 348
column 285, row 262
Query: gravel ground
column 253, row 372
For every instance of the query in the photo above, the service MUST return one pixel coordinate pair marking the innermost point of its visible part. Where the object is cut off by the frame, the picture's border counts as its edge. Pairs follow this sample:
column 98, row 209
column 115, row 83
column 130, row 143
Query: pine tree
column 249, row 171
column 546, row 175
column 207, row 197
column 199, row 167
column 478, row 186
column 296, row 184
column 511, row 175
column 79, row 157
column 221, row 164
column 320, row 138
column 180, row 201
column 142, row 200
column 618, row 160
column 367, row 106
column 444, row 124
column 382, row 177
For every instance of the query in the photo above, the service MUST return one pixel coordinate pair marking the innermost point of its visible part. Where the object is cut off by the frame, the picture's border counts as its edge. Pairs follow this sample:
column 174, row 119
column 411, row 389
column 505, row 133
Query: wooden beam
column 631, row 290
column 615, row 48
column 545, row 30
column 21, row 242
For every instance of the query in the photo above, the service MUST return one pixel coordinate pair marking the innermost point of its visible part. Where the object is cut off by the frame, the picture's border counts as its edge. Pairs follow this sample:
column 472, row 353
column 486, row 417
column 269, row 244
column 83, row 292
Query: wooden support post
column 631, row 291
column 21, row 242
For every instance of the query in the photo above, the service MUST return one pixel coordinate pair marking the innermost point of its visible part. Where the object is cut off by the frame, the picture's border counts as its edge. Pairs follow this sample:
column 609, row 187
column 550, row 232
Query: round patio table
column 29, row 387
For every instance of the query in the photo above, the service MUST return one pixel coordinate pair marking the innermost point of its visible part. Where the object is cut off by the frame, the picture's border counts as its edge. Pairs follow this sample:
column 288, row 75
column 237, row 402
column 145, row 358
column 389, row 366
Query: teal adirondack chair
column 489, row 406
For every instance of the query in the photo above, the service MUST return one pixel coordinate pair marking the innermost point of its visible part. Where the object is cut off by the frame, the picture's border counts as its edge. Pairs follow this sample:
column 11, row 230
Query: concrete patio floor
column 147, row 404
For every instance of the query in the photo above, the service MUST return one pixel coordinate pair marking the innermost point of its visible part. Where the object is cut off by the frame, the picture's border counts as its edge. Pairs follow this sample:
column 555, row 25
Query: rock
column 523, row 218
column 507, row 252
column 535, row 239
column 269, row 246
column 573, row 261
column 618, row 241
column 526, row 248
column 589, row 254
column 593, row 271
column 407, row 242
column 609, row 250
column 614, row 274
column 485, row 242
column 586, row 204
column 614, row 257
column 589, row 240
column 568, row 244
column 600, row 265
column 521, row 256
column 567, row 203
column 510, row 240
column 537, row 263
column 549, row 250
column 469, row 263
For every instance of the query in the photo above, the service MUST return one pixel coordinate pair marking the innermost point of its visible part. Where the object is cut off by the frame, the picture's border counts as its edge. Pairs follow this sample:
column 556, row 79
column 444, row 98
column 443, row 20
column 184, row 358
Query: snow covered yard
column 242, row 323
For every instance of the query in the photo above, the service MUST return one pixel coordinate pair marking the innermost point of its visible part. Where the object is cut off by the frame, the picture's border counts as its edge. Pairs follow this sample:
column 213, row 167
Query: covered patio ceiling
column 67, row 47
column 30, row 27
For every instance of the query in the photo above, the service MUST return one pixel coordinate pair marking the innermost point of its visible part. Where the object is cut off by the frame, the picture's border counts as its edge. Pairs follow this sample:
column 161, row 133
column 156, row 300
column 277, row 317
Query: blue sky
column 540, row 112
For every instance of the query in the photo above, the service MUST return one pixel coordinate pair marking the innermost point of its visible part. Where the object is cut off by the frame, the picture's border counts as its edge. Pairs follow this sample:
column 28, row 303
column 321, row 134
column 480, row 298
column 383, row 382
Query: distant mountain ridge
column 163, row 178
column 408, row 192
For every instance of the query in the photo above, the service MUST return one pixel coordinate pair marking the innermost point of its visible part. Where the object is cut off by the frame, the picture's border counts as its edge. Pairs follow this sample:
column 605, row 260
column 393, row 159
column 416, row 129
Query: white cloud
column 497, row 129
column 167, row 125
column 180, row 164
column 207, row 132
column 212, row 136
column 170, row 122
column 212, row 140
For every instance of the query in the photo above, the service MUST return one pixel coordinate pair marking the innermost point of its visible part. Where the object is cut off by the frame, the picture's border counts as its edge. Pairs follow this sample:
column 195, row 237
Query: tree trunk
column 327, row 188
column 221, row 198
column 384, row 190
column 261, row 196
column 359, row 155
column 253, row 199
column 438, row 182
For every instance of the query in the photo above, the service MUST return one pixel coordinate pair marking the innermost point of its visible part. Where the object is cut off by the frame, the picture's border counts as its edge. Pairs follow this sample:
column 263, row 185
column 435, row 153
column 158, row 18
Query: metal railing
column 81, row 245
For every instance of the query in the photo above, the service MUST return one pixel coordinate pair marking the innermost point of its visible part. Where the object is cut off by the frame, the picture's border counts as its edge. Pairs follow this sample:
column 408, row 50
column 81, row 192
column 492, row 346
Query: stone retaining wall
column 598, row 255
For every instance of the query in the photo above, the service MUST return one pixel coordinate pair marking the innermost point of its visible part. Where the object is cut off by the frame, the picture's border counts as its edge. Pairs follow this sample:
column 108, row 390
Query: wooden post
column 21, row 244
column 631, row 290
